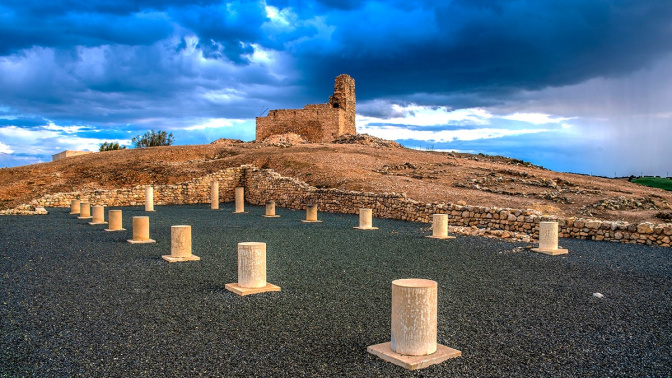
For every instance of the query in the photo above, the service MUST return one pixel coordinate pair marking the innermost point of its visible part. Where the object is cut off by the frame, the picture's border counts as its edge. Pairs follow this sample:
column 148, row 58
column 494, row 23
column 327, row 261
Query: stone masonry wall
column 64, row 154
column 262, row 185
column 315, row 122
column 190, row 192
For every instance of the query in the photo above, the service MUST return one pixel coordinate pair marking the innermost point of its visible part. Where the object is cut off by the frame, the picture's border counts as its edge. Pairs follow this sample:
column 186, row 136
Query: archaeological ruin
column 315, row 122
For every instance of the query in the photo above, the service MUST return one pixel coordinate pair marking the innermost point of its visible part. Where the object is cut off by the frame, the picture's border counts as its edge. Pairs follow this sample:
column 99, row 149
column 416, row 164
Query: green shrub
column 111, row 146
column 153, row 139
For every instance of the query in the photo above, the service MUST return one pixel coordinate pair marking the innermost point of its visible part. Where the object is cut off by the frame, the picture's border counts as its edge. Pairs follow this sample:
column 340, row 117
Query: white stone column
column 74, row 206
column 115, row 221
column 366, row 220
column 214, row 195
column 270, row 210
column 548, row 239
column 149, row 198
column 251, row 270
column 252, row 265
column 414, row 308
column 180, row 245
column 311, row 214
column 84, row 211
column 440, row 227
column 240, row 200
column 141, row 231
column 414, row 327
column 98, row 215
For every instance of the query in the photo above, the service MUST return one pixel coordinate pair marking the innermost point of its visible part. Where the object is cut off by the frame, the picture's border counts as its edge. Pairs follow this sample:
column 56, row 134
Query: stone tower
column 344, row 98
column 315, row 122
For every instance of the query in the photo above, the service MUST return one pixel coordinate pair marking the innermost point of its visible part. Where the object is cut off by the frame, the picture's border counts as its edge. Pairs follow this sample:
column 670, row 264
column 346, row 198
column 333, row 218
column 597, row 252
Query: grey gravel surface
column 79, row 301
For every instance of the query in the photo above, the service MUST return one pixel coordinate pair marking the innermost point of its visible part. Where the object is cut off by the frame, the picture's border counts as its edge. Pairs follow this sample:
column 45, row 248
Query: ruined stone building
column 315, row 122
column 67, row 153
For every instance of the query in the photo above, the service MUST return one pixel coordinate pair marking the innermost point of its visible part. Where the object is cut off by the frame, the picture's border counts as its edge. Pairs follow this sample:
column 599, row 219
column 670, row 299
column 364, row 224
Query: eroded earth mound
column 359, row 162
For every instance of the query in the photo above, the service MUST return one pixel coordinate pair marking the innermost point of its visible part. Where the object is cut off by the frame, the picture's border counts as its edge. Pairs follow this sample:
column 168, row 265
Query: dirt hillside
column 352, row 163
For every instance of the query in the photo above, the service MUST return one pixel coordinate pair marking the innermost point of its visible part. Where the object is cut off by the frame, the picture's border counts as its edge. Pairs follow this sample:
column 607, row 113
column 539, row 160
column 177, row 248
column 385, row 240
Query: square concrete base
column 365, row 228
column 93, row 224
column 239, row 212
column 307, row 221
column 440, row 237
column 74, row 213
column 234, row 287
column 150, row 211
column 552, row 252
column 121, row 229
column 385, row 352
column 141, row 241
column 271, row 216
column 171, row 259
column 84, row 217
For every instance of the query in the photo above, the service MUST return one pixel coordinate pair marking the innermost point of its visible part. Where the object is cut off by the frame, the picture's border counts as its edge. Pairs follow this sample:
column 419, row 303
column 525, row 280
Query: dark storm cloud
column 492, row 47
column 24, row 28
column 225, row 29
column 473, row 51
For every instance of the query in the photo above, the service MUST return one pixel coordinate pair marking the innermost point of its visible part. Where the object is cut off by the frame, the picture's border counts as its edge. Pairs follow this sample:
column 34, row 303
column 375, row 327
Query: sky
column 579, row 86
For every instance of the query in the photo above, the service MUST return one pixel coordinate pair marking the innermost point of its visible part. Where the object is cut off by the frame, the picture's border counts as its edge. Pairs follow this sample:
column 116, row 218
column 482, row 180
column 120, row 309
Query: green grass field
column 655, row 182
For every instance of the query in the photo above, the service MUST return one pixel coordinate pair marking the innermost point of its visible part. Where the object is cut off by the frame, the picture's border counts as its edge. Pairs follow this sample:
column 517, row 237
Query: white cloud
column 66, row 129
column 260, row 55
column 408, row 123
column 418, row 115
column 215, row 123
column 443, row 136
column 49, row 140
column 535, row 118
column 224, row 95
column 5, row 149
column 280, row 18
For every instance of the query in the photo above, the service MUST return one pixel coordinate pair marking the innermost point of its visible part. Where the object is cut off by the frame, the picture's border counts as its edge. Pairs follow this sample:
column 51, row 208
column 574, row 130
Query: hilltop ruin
column 315, row 122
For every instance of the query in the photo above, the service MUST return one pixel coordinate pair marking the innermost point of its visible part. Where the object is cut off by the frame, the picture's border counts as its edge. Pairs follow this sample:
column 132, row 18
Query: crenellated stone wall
column 262, row 185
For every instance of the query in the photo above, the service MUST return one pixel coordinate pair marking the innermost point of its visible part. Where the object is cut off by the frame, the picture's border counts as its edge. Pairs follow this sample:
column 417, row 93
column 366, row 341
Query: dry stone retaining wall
column 190, row 192
column 262, row 185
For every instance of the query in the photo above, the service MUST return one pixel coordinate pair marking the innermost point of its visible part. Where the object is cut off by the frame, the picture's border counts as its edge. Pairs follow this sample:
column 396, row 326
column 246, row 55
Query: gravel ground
column 79, row 301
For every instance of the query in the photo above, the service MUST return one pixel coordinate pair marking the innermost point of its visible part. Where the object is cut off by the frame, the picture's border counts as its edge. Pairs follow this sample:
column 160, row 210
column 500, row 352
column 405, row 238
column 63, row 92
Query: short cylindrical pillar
column 311, row 213
column 180, row 241
column 85, row 210
column 140, row 228
column 114, row 217
column 270, row 208
column 440, row 225
column 149, row 198
column 548, row 235
column 365, row 216
column 214, row 195
column 251, row 264
column 240, row 199
column 98, row 213
column 74, row 206
column 414, row 309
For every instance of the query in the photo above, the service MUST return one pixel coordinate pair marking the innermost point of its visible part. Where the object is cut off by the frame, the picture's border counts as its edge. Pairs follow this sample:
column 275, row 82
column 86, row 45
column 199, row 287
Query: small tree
column 153, row 139
column 111, row 146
